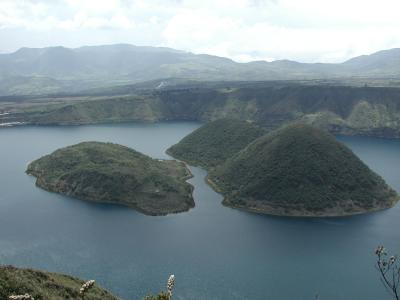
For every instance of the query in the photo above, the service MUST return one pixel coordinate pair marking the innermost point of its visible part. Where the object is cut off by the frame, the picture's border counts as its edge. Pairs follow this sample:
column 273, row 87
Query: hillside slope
column 45, row 285
column 347, row 110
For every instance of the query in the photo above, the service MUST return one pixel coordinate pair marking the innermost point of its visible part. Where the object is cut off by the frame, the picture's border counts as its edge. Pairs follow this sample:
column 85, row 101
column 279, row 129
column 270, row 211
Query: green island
column 43, row 285
column 111, row 173
column 300, row 170
column 215, row 142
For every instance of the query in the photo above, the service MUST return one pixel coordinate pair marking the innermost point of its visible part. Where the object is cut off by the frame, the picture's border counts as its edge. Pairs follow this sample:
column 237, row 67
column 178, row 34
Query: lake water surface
column 215, row 252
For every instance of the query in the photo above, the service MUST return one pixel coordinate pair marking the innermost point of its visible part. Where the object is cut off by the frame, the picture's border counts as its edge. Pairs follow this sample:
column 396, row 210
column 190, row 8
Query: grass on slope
column 45, row 286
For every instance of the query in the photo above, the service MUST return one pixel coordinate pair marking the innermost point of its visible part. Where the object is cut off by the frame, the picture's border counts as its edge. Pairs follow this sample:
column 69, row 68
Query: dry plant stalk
column 389, row 270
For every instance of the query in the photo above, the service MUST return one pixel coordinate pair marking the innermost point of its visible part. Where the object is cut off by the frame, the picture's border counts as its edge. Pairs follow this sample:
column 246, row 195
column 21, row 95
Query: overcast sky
column 244, row 30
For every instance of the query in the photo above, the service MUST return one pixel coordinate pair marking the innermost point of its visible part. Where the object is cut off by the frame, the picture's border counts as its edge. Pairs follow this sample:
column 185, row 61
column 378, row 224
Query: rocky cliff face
column 341, row 109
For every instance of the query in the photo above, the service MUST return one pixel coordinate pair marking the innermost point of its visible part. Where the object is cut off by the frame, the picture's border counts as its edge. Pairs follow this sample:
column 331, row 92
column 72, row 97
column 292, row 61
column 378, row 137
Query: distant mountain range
column 58, row 69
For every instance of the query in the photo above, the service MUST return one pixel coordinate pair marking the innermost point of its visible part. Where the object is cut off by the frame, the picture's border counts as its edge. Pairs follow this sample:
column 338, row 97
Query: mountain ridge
column 110, row 65
column 127, row 46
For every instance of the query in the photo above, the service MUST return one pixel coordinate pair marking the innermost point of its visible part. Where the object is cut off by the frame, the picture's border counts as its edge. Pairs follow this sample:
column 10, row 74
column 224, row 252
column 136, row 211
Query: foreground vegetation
column 389, row 271
column 110, row 173
column 300, row 171
column 213, row 143
column 45, row 285
column 30, row 284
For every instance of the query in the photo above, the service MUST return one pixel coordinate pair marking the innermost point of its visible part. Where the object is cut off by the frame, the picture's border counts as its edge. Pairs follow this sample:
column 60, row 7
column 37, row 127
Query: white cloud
column 95, row 7
column 305, row 30
column 202, row 27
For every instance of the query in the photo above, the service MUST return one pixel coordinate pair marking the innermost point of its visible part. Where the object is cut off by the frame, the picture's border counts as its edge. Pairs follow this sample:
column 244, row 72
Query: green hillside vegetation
column 300, row 171
column 135, row 108
column 214, row 142
column 45, row 285
column 340, row 109
column 111, row 173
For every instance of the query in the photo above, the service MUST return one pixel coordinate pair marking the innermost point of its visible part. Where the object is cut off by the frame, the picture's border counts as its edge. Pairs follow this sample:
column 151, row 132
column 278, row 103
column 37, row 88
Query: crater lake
column 215, row 252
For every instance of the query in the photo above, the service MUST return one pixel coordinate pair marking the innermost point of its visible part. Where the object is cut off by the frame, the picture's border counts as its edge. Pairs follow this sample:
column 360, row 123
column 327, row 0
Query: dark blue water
column 215, row 252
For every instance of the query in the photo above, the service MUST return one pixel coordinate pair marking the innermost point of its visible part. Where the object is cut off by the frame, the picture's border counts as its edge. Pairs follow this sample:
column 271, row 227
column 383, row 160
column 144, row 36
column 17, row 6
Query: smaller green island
column 111, row 173
column 214, row 142
column 45, row 285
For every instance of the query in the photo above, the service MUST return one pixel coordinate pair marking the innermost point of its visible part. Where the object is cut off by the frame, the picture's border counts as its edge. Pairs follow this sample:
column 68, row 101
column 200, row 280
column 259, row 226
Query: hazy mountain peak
column 384, row 56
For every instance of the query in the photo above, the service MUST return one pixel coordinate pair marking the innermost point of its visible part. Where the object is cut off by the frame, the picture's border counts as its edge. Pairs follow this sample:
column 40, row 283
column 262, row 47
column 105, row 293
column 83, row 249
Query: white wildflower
column 170, row 285
column 21, row 297
column 85, row 287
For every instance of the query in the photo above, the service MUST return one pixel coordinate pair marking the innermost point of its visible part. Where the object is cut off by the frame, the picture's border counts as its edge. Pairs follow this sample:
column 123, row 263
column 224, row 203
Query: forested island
column 300, row 171
column 213, row 143
column 111, row 173
column 297, row 170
